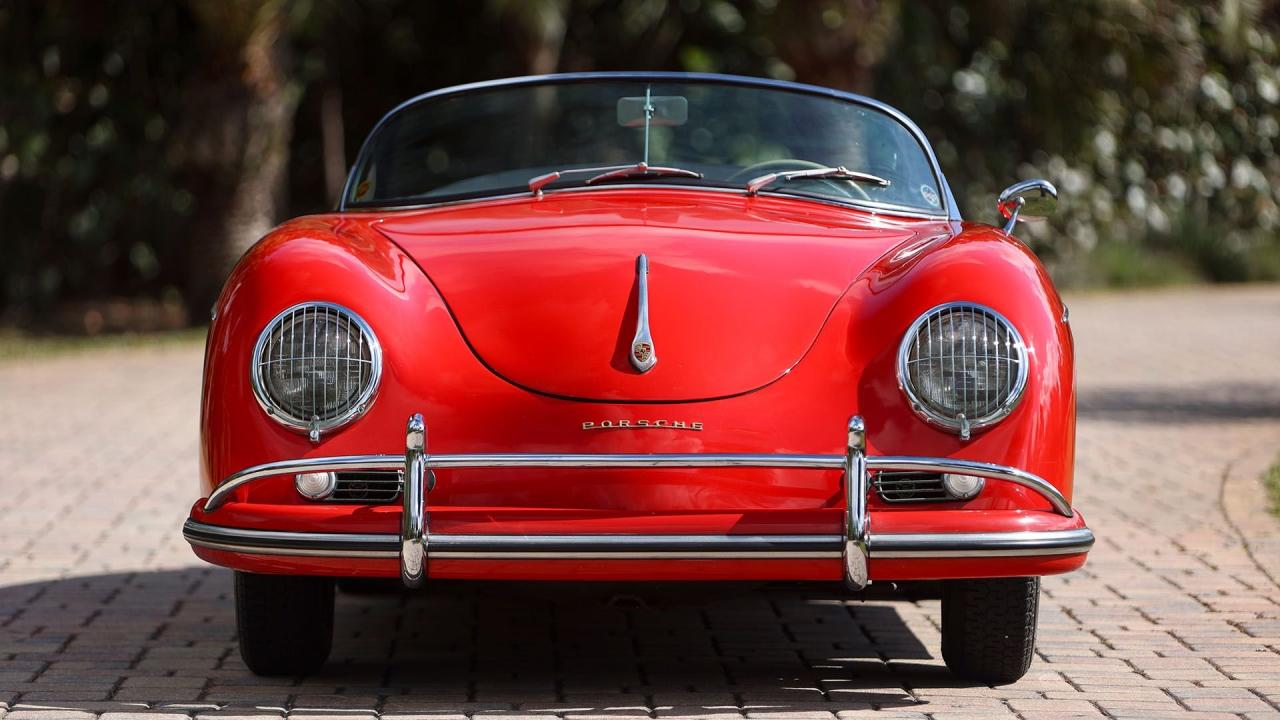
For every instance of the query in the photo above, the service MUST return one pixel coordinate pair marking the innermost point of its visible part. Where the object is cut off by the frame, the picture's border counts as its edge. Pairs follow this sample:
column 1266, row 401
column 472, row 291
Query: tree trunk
column 840, row 46
column 538, row 28
column 333, row 145
column 233, row 144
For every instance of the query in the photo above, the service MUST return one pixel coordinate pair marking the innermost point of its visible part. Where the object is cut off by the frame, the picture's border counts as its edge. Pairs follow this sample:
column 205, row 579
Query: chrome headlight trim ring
column 954, row 424
column 356, row 409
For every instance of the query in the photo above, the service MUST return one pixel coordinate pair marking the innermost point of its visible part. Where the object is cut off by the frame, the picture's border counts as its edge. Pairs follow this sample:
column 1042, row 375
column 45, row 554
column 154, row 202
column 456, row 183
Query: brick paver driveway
column 103, row 609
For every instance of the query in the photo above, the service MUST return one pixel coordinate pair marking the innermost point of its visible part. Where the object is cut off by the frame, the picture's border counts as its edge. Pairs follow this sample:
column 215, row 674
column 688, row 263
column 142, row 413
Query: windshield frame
column 949, row 209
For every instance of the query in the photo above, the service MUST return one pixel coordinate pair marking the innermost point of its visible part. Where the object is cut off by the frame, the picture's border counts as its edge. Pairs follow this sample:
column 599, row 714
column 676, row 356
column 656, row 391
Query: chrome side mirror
column 1027, row 200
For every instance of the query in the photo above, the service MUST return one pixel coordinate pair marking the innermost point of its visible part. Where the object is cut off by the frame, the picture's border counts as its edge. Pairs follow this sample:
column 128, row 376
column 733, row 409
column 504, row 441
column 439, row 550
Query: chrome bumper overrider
column 854, row 546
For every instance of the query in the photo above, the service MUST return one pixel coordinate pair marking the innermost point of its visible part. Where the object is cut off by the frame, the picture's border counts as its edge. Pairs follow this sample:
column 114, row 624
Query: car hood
column 545, row 290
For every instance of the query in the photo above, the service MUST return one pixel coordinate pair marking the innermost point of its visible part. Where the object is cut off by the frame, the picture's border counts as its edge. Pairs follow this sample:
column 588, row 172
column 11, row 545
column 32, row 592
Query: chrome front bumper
column 639, row 547
column 853, row 546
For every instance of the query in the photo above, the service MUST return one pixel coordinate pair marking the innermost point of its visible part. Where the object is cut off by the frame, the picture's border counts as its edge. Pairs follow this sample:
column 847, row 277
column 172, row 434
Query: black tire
column 285, row 622
column 989, row 627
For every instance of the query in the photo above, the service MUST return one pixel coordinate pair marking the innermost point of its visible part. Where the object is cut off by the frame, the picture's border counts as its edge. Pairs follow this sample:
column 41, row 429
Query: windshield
column 495, row 140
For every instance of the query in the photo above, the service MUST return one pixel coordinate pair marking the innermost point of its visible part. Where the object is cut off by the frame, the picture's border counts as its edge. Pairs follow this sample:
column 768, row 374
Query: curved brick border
column 1244, row 500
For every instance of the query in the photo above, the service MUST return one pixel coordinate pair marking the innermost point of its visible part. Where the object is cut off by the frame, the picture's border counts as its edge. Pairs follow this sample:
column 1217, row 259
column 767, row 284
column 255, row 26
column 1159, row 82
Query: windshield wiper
column 840, row 172
column 643, row 170
column 637, row 171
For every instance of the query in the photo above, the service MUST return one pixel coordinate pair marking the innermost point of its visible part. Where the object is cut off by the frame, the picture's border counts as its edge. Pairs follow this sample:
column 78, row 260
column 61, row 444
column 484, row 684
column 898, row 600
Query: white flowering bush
column 1158, row 122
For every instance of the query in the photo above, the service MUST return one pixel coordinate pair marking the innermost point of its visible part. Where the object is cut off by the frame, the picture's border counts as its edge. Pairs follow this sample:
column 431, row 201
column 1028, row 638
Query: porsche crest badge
column 643, row 357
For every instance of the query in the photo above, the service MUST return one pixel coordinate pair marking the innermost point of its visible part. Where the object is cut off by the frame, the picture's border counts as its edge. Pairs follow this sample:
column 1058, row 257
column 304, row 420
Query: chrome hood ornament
column 642, row 355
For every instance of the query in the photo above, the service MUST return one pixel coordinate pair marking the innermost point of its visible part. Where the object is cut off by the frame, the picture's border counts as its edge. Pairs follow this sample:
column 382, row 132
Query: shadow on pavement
column 153, row 639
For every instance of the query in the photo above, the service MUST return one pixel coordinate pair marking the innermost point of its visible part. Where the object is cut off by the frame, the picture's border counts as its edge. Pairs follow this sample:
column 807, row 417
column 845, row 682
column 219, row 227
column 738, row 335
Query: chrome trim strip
column 944, row 545
column 222, row 493
column 268, row 549
column 275, row 542
column 981, row 469
column 662, row 460
column 636, row 555
column 643, row 547
column 856, row 522
column 642, row 343
column 640, row 547
column 663, row 543
column 687, row 460
column 883, row 210
column 950, row 209
column 414, row 532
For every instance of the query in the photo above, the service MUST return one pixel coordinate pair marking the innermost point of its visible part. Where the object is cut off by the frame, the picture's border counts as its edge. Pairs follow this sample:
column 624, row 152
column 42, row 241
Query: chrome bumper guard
column 853, row 546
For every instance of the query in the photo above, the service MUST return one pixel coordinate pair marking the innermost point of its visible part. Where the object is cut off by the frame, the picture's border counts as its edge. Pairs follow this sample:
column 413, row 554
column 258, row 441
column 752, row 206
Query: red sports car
column 644, row 327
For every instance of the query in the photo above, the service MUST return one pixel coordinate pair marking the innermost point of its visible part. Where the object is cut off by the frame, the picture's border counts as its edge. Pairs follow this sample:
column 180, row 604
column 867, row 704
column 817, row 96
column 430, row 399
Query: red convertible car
column 642, row 327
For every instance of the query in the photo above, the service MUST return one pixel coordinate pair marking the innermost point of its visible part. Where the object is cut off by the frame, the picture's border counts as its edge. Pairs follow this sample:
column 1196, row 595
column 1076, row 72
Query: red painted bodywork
column 506, row 323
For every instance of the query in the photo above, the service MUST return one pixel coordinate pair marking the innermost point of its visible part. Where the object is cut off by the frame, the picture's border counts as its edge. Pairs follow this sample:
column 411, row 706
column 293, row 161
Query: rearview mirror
column 662, row 110
column 1027, row 200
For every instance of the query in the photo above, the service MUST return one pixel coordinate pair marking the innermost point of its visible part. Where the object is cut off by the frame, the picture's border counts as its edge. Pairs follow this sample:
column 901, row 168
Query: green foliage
column 18, row 346
column 1128, row 265
column 87, row 203
column 1271, row 481
column 1159, row 121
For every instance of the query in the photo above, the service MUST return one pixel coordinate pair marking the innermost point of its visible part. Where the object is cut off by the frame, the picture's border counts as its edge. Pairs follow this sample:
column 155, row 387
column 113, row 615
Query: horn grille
column 368, row 488
column 907, row 487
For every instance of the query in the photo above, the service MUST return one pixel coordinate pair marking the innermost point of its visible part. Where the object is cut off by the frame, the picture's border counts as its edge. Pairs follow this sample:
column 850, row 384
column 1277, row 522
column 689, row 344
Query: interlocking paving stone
column 105, row 613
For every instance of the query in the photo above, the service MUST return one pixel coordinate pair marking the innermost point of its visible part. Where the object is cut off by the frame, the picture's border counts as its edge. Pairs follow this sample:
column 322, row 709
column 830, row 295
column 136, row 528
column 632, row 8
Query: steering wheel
column 848, row 188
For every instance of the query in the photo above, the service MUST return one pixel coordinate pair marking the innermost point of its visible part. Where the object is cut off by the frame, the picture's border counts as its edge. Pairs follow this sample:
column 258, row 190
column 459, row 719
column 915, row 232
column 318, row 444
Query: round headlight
column 316, row 367
column 962, row 366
